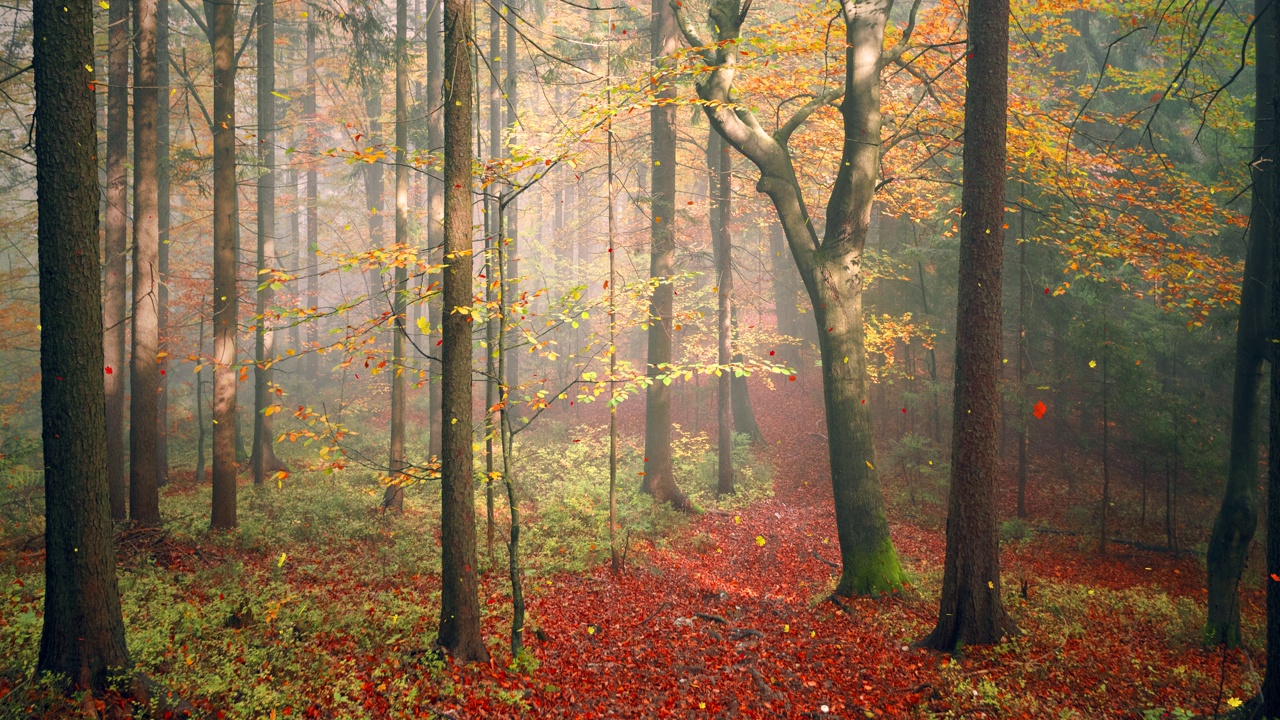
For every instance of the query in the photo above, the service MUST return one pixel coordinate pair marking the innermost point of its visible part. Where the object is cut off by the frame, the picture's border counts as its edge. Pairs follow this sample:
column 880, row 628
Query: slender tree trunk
column 114, row 250
column 313, row 207
column 659, row 474
column 200, row 438
column 459, row 631
column 163, row 214
column 1024, row 363
column 144, row 374
column 614, row 558
column 786, row 294
column 493, row 237
column 263, row 456
column 971, row 611
column 295, row 238
column 435, row 218
column 720, row 192
column 1237, row 519
column 220, row 17
column 374, row 188
column 83, row 634
column 1106, row 440
column 511, row 214
column 744, row 415
column 393, row 499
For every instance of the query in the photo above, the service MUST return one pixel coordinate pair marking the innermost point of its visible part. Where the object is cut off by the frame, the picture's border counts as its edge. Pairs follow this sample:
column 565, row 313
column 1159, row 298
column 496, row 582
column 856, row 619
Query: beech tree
column 113, row 248
column 831, row 267
column 83, row 633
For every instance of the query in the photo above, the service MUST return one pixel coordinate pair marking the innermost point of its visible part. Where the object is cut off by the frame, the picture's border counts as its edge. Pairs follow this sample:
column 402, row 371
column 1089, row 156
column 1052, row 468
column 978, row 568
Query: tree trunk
column 200, row 438
column 659, row 477
column 1266, row 194
column 493, row 236
column 263, row 456
column 435, row 218
column 459, row 631
column 312, row 365
column 220, row 17
column 393, row 499
column 511, row 215
column 786, row 294
column 1106, row 440
column 1237, row 519
column 83, row 634
column 144, row 372
column 114, row 250
column 374, row 187
column 971, row 612
column 1024, row 363
column 163, row 214
column 720, row 191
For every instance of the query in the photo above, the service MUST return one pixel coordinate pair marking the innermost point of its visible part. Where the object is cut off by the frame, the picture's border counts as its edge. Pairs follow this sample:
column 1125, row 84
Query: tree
column 459, row 602
column 220, row 22
column 263, row 458
column 144, row 368
column 435, row 209
column 313, row 208
column 659, row 475
column 971, row 612
column 394, row 497
column 114, row 241
column 721, row 192
column 1237, row 518
column 831, row 269
column 83, row 634
column 163, row 215
column 512, row 210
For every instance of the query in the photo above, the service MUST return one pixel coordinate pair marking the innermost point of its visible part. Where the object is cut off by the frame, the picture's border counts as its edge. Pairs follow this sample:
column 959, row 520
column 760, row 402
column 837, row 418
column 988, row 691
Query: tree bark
column 83, row 634
column 971, row 612
column 659, row 477
column 313, row 208
column 511, row 214
column 393, row 498
column 459, row 631
column 1267, row 202
column 114, row 250
column 435, row 217
column 220, row 17
column 144, row 370
column 1237, row 519
column 163, row 215
column 263, row 458
column 722, row 248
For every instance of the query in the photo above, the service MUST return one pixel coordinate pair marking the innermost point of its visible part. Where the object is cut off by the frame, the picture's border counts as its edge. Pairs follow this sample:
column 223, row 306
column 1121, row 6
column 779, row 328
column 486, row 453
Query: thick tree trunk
column 659, row 478
column 971, row 612
column 220, row 17
column 163, row 214
column 435, row 218
column 263, row 458
column 1238, row 517
column 722, row 248
column 115, row 239
column 459, row 631
column 744, row 415
column 83, row 634
column 144, row 370
column 1267, row 202
column 393, row 499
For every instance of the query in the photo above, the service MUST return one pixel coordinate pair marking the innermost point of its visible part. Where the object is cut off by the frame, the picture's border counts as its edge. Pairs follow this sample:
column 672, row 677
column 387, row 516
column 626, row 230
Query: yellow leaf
column 760, row 540
column 868, row 462
column 283, row 557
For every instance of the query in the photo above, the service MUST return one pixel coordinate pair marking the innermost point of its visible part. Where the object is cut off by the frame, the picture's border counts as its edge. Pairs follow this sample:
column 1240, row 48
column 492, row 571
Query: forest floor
column 314, row 612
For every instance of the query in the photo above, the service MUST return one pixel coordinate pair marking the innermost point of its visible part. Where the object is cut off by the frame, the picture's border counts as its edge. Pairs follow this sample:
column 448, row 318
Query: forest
column 691, row 358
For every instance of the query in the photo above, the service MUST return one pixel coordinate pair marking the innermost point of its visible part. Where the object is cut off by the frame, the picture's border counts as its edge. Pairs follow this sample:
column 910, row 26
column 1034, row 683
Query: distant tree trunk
column 115, row 239
column 512, row 212
column 374, row 187
column 163, row 214
column 264, row 458
column 220, row 17
column 200, row 438
column 459, row 631
column 435, row 218
column 744, row 415
column 295, row 237
column 971, row 612
column 1237, row 519
column 393, row 499
column 83, row 634
column 721, row 192
column 786, row 293
column 493, row 231
column 144, row 374
column 1024, row 363
column 313, row 208
column 659, row 477
column 1106, row 440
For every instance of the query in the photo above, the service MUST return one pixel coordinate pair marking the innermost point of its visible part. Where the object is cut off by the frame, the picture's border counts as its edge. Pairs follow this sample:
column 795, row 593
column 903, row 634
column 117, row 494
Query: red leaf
column 1039, row 410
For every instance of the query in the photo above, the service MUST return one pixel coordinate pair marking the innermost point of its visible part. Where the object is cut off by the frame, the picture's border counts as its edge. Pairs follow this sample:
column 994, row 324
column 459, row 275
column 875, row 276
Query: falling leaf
column 1039, row 410
column 1093, row 363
